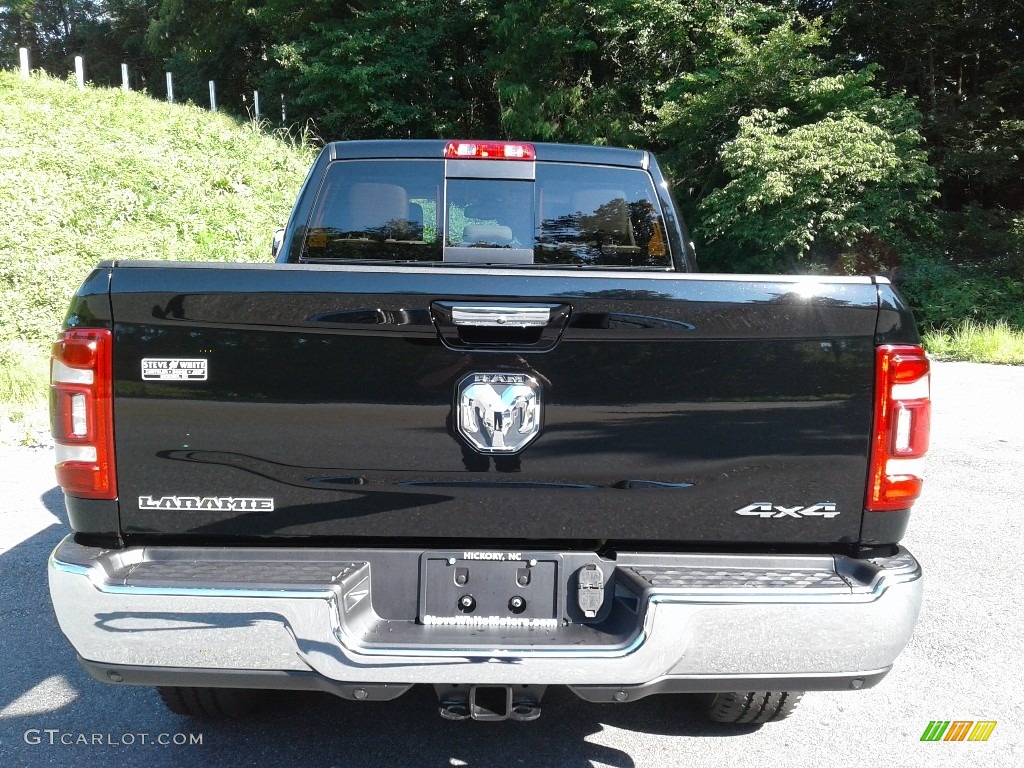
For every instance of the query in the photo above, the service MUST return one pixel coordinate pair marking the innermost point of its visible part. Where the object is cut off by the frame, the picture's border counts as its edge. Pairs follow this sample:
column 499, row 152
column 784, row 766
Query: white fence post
column 284, row 119
column 170, row 88
column 213, row 97
column 256, row 103
column 124, row 77
column 80, row 72
column 23, row 54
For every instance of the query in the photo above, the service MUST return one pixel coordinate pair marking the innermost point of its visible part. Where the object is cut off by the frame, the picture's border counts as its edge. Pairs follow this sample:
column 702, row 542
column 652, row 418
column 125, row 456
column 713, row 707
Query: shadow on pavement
column 32, row 647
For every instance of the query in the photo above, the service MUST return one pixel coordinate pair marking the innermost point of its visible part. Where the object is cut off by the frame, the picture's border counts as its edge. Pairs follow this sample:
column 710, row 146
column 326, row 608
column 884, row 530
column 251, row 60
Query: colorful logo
column 958, row 730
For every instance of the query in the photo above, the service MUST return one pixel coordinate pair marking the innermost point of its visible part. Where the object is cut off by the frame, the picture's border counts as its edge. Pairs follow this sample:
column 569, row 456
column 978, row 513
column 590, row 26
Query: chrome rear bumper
column 680, row 622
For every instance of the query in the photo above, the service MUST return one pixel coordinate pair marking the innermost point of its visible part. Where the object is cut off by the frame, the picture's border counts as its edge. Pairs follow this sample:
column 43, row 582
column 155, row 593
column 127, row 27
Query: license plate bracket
column 479, row 589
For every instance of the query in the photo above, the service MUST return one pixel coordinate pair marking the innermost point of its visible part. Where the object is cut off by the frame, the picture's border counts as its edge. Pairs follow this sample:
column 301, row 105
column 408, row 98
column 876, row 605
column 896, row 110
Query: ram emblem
column 499, row 412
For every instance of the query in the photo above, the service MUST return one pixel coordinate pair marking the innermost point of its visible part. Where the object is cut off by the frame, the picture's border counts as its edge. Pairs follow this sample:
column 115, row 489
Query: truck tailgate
column 264, row 402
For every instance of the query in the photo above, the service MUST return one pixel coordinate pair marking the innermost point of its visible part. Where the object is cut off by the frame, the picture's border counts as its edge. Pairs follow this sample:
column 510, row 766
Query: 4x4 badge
column 826, row 509
column 499, row 413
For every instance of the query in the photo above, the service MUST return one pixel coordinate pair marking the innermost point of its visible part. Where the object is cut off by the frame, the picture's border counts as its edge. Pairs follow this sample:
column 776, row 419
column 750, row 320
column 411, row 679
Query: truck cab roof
column 435, row 148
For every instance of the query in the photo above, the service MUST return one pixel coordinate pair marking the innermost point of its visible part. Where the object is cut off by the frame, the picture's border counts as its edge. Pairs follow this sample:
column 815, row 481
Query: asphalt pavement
column 964, row 662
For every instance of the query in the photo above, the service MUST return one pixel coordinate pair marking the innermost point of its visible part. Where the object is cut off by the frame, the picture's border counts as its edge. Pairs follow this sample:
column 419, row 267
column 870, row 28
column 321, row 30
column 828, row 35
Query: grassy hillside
column 100, row 174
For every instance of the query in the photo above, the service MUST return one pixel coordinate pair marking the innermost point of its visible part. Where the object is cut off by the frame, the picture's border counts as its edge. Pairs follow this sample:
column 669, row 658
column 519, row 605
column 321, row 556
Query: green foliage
column 783, row 157
column 578, row 72
column 944, row 293
column 106, row 33
column 102, row 174
column 977, row 343
column 52, row 30
column 543, row 82
column 843, row 180
column 204, row 40
column 962, row 63
column 23, row 372
column 992, row 238
column 735, row 60
column 391, row 70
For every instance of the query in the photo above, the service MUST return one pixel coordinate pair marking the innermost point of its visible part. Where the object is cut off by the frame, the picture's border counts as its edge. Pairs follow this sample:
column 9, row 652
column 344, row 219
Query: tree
column 784, row 153
column 203, row 40
column 852, row 187
column 384, row 69
column 591, row 72
column 50, row 29
column 962, row 62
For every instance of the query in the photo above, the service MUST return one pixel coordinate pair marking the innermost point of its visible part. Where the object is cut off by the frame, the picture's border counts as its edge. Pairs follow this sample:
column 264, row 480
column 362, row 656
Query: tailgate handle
column 502, row 316
column 499, row 325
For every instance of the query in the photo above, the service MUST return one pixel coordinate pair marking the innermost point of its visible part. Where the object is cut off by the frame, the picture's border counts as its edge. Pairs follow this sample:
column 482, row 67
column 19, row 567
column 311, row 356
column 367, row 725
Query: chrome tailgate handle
column 503, row 325
column 519, row 316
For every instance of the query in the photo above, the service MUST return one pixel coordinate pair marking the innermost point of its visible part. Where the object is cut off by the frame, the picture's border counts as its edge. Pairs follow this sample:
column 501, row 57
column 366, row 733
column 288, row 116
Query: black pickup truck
column 483, row 427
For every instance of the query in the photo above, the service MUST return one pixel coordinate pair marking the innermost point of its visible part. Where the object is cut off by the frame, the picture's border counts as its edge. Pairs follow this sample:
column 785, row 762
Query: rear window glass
column 407, row 211
column 377, row 209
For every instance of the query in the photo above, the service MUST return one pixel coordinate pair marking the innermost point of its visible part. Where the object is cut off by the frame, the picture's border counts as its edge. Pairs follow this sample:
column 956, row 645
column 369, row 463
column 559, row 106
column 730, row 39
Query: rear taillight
column 81, row 413
column 902, row 421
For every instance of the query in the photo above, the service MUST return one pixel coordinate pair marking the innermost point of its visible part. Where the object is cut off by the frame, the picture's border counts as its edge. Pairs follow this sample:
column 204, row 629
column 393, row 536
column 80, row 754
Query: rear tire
column 212, row 703
column 752, row 707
